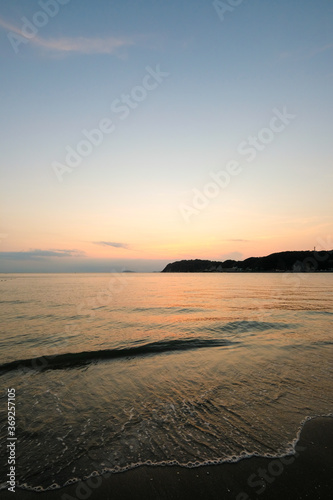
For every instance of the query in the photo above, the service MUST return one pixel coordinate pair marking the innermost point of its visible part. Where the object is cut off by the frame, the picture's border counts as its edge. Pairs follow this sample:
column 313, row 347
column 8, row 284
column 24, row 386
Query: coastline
column 307, row 474
column 289, row 261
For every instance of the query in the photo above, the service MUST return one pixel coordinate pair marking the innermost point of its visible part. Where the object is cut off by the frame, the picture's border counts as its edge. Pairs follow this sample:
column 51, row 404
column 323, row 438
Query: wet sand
column 306, row 475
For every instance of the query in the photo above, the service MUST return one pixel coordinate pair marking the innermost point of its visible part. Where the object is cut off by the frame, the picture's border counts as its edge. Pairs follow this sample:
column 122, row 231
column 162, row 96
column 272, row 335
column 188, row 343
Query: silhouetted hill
column 303, row 261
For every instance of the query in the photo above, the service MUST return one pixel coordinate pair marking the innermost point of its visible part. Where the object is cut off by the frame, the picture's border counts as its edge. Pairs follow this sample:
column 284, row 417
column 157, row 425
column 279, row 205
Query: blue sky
column 223, row 77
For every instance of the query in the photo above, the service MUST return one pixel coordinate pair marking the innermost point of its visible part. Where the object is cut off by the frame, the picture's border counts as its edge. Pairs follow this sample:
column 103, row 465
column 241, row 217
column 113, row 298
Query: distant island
column 302, row 261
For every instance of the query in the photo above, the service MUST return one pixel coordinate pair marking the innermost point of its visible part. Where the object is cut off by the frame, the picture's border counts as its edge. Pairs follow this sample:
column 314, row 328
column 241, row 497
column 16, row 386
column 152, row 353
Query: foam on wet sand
column 308, row 474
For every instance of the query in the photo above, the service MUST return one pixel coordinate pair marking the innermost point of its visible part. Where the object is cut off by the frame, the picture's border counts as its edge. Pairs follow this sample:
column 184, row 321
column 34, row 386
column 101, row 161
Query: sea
column 118, row 370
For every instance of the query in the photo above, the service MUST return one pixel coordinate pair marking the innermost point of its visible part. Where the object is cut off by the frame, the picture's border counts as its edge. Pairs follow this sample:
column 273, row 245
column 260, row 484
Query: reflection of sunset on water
column 176, row 368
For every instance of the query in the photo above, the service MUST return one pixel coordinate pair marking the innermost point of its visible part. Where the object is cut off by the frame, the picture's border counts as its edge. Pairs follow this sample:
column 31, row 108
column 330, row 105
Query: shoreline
column 306, row 474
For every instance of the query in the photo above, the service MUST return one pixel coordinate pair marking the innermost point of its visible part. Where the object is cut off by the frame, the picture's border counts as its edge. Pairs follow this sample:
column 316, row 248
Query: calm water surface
column 116, row 370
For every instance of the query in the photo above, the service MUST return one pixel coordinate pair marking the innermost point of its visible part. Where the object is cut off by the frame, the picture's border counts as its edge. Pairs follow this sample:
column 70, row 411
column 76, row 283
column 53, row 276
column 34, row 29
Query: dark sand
column 307, row 475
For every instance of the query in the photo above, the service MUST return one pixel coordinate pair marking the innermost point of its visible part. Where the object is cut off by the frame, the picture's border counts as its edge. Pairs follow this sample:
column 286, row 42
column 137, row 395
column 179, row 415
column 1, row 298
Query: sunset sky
column 136, row 133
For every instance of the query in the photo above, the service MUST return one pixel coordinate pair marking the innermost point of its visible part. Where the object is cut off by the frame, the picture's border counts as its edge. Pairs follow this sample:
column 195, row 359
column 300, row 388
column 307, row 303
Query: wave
column 249, row 326
column 326, row 313
column 291, row 449
column 173, row 309
column 72, row 360
column 15, row 301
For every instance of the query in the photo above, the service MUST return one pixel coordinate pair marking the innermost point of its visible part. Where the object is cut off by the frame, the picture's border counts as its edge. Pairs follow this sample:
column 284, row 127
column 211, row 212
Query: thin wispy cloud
column 84, row 45
column 9, row 27
column 38, row 254
column 112, row 244
column 297, row 55
column 324, row 48
column 72, row 45
column 237, row 239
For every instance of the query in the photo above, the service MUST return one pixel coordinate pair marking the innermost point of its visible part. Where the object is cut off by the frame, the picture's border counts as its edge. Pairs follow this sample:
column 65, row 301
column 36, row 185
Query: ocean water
column 113, row 371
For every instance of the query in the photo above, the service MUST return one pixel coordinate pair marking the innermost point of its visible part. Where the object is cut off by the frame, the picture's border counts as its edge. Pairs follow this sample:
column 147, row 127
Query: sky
column 140, row 132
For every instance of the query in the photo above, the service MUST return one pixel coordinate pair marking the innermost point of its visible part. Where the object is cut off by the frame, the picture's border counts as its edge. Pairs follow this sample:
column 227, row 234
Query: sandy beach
column 307, row 475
